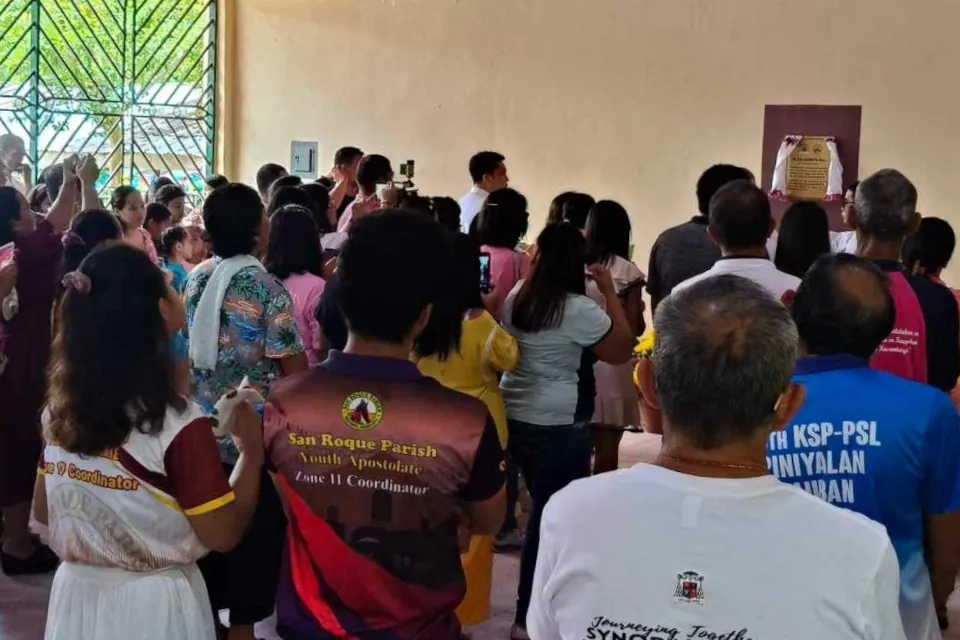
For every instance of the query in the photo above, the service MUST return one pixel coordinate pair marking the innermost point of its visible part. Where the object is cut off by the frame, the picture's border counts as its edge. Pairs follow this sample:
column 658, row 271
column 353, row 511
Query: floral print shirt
column 257, row 330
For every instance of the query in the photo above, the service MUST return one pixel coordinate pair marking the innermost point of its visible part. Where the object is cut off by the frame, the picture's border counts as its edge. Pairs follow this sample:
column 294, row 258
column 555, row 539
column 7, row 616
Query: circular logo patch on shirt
column 362, row 411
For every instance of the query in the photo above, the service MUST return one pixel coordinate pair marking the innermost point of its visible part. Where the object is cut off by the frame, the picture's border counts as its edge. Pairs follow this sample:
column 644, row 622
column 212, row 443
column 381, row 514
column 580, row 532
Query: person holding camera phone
column 374, row 190
column 342, row 181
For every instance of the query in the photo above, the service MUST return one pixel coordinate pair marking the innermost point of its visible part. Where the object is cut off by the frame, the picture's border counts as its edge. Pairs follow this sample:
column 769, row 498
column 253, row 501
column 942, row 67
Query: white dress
column 616, row 399
column 119, row 524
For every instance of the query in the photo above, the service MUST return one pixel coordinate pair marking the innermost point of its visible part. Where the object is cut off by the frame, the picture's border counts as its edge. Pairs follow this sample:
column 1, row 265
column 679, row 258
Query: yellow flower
column 645, row 345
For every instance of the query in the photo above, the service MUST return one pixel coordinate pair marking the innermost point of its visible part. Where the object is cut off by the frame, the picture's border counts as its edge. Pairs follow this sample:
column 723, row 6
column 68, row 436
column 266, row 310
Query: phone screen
column 485, row 273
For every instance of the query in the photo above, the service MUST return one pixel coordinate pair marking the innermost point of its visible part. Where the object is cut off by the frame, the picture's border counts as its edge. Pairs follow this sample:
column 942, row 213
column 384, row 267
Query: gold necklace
column 712, row 463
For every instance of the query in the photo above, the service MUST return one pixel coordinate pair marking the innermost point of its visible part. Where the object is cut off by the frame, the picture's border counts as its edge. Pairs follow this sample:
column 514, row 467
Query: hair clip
column 71, row 239
column 77, row 281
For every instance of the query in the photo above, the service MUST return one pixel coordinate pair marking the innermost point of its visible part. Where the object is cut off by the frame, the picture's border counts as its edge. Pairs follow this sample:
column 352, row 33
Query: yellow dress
column 486, row 350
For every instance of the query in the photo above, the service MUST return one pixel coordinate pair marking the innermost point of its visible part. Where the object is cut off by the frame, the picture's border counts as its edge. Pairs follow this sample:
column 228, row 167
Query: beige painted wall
column 625, row 99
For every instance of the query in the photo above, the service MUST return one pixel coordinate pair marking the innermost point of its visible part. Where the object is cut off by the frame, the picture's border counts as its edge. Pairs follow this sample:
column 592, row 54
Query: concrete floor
column 23, row 601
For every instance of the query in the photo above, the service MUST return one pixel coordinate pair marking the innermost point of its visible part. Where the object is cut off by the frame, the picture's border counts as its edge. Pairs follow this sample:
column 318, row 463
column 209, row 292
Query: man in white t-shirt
column 488, row 174
column 740, row 224
column 12, row 152
column 705, row 543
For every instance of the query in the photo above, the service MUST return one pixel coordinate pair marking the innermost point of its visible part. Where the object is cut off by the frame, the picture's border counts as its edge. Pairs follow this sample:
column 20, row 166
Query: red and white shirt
column 128, row 507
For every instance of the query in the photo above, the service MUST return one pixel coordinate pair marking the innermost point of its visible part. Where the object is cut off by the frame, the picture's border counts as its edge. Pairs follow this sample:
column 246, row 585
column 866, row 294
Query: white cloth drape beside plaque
column 779, row 185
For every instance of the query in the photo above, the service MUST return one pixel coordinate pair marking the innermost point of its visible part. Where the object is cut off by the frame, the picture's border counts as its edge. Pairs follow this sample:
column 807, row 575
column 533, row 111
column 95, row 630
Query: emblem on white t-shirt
column 689, row 588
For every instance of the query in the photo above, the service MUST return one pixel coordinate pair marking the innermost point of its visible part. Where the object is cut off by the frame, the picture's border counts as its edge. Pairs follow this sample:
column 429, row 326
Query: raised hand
column 88, row 170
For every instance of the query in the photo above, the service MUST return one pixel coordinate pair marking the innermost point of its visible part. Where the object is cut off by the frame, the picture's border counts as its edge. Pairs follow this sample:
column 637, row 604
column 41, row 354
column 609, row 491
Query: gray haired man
column 925, row 343
column 704, row 543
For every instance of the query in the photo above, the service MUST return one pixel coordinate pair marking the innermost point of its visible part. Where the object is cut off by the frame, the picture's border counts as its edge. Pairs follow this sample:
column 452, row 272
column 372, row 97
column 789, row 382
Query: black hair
column 466, row 273
column 393, row 241
column 418, row 203
column 740, row 215
column 88, row 230
column 804, row 236
column 169, row 239
column 608, row 232
column 576, row 208
column 121, row 307
column 484, row 163
column 267, row 175
column 555, row 214
column 216, row 181
column 38, row 199
column 373, row 169
column 345, row 156
column 446, row 211
column 167, row 194
column 10, row 211
column 157, row 212
column 558, row 271
column 52, row 176
column 844, row 305
column 232, row 218
column 283, row 181
column 463, row 295
column 118, row 198
column 929, row 250
column 322, row 197
column 157, row 184
column 504, row 219
column 294, row 245
column 283, row 196
column 714, row 178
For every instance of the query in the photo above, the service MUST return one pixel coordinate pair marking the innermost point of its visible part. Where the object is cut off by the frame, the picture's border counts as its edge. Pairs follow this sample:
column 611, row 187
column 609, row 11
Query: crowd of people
column 310, row 399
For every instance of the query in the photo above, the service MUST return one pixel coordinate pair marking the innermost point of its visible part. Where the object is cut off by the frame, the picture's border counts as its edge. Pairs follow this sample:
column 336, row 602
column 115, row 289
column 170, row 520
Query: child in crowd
column 173, row 251
column 294, row 256
column 196, row 248
column 127, row 204
column 485, row 351
column 132, row 563
column 174, row 198
column 157, row 220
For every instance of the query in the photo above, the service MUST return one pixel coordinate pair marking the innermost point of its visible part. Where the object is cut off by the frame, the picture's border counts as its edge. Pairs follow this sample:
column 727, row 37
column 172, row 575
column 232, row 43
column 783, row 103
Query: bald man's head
column 844, row 306
column 725, row 352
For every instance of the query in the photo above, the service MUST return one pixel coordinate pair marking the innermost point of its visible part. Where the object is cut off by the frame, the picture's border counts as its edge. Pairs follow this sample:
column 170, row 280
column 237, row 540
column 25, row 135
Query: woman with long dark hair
column 128, row 205
column 484, row 351
column 804, row 236
column 608, row 244
column 294, row 256
column 554, row 321
column 174, row 198
column 141, row 458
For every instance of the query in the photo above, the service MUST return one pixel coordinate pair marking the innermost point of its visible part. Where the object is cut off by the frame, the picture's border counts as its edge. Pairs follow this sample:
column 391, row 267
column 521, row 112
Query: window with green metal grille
column 131, row 81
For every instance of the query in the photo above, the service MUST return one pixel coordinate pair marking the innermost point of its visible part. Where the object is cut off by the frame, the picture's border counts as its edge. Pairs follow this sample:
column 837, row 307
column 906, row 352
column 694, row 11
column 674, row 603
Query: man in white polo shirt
column 740, row 223
column 488, row 174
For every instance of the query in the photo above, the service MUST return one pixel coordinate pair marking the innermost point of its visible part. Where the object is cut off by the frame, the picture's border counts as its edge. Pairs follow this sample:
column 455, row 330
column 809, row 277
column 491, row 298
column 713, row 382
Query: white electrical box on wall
column 303, row 159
